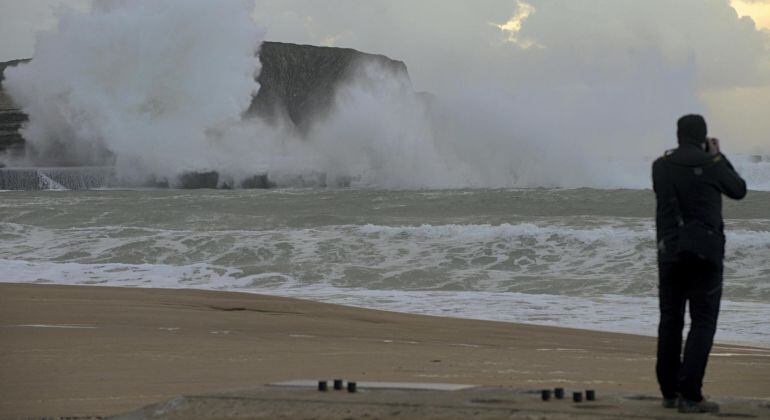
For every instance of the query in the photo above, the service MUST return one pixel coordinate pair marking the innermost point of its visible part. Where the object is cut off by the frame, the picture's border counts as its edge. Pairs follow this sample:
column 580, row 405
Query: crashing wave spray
column 158, row 88
column 141, row 83
column 382, row 134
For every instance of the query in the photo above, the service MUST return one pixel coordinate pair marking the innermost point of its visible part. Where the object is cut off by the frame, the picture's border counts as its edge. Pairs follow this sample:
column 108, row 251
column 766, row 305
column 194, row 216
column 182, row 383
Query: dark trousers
column 700, row 283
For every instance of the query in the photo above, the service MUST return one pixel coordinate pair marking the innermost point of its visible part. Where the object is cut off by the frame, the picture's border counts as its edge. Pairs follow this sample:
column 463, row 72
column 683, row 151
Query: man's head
column 692, row 129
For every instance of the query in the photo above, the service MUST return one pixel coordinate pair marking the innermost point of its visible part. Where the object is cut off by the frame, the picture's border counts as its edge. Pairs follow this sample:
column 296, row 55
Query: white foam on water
column 50, row 184
column 740, row 322
column 534, row 258
column 583, row 272
column 66, row 327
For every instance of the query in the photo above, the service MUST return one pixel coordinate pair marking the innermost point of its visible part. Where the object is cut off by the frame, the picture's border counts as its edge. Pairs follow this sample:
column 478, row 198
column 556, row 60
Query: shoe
column 702, row 406
column 670, row 402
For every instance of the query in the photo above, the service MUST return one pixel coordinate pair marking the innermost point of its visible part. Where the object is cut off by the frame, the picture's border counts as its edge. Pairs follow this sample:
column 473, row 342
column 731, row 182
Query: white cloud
column 21, row 20
column 757, row 10
column 513, row 26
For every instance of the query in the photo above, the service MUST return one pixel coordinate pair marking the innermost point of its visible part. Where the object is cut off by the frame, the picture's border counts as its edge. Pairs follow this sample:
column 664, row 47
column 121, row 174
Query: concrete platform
column 405, row 386
column 382, row 400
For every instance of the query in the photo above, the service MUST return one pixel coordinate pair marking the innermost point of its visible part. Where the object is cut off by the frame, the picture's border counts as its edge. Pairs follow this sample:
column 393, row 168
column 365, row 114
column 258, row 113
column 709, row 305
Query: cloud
column 513, row 26
column 21, row 20
column 756, row 10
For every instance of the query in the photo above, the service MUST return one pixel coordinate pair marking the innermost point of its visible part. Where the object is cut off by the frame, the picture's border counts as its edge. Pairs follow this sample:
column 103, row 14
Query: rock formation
column 298, row 83
column 11, row 117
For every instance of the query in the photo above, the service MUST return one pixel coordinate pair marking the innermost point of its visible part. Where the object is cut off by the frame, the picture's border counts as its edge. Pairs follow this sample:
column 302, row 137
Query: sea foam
column 742, row 322
column 520, row 258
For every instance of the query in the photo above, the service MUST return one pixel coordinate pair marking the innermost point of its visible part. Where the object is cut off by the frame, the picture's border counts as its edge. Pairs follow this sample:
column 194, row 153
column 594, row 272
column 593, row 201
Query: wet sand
column 79, row 351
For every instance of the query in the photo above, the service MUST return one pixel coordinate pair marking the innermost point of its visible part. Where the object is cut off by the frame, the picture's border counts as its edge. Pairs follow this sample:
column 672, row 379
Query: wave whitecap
column 521, row 258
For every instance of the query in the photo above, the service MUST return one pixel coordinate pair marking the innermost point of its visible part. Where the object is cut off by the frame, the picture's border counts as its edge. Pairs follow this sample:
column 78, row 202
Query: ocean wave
column 490, row 232
column 519, row 258
column 744, row 322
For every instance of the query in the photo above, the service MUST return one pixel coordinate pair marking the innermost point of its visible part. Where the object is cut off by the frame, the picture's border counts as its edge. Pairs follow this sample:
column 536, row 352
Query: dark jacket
column 698, row 179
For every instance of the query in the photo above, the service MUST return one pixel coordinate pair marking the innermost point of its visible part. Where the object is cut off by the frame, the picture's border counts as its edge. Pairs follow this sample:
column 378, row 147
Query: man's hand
column 712, row 146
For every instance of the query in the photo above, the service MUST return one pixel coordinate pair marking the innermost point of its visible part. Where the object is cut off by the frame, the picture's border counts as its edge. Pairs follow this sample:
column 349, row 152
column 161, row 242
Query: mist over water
column 158, row 88
column 162, row 89
column 138, row 84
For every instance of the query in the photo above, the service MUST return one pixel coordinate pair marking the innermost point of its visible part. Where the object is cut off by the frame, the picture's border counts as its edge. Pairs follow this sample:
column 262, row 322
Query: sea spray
column 139, row 84
column 381, row 134
column 158, row 88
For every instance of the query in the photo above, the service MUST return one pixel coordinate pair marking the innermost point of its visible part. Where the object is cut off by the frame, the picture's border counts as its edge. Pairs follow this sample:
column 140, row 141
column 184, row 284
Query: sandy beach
column 80, row 351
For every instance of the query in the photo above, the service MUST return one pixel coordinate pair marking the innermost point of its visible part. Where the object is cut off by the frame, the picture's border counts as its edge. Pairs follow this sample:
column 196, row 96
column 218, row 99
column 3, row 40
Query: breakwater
column 73, row 178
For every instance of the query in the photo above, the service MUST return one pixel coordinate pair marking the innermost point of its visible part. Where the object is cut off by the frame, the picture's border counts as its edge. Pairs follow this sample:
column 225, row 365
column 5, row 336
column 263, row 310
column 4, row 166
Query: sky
column 719, row 47
column 758, row 10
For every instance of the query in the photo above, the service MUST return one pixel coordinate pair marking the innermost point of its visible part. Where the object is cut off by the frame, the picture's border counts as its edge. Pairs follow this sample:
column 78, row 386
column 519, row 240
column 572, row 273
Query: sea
column 385, row 235
column 581, row 258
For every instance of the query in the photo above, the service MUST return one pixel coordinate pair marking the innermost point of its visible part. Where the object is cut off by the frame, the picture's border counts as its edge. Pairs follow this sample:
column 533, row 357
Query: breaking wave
column 521, row 258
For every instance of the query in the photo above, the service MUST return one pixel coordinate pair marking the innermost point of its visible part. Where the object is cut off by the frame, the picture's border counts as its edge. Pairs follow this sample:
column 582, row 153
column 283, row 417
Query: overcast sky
column 510, row 44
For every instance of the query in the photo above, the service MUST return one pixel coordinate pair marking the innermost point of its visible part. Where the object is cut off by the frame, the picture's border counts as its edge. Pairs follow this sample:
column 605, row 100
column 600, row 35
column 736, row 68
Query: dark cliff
column 5, row 100
column 298, row 84
column 11, row 118
column 299, row 81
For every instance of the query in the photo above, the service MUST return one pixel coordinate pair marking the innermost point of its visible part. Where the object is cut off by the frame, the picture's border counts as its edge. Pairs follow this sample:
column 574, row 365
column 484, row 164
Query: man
column 689, row 182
